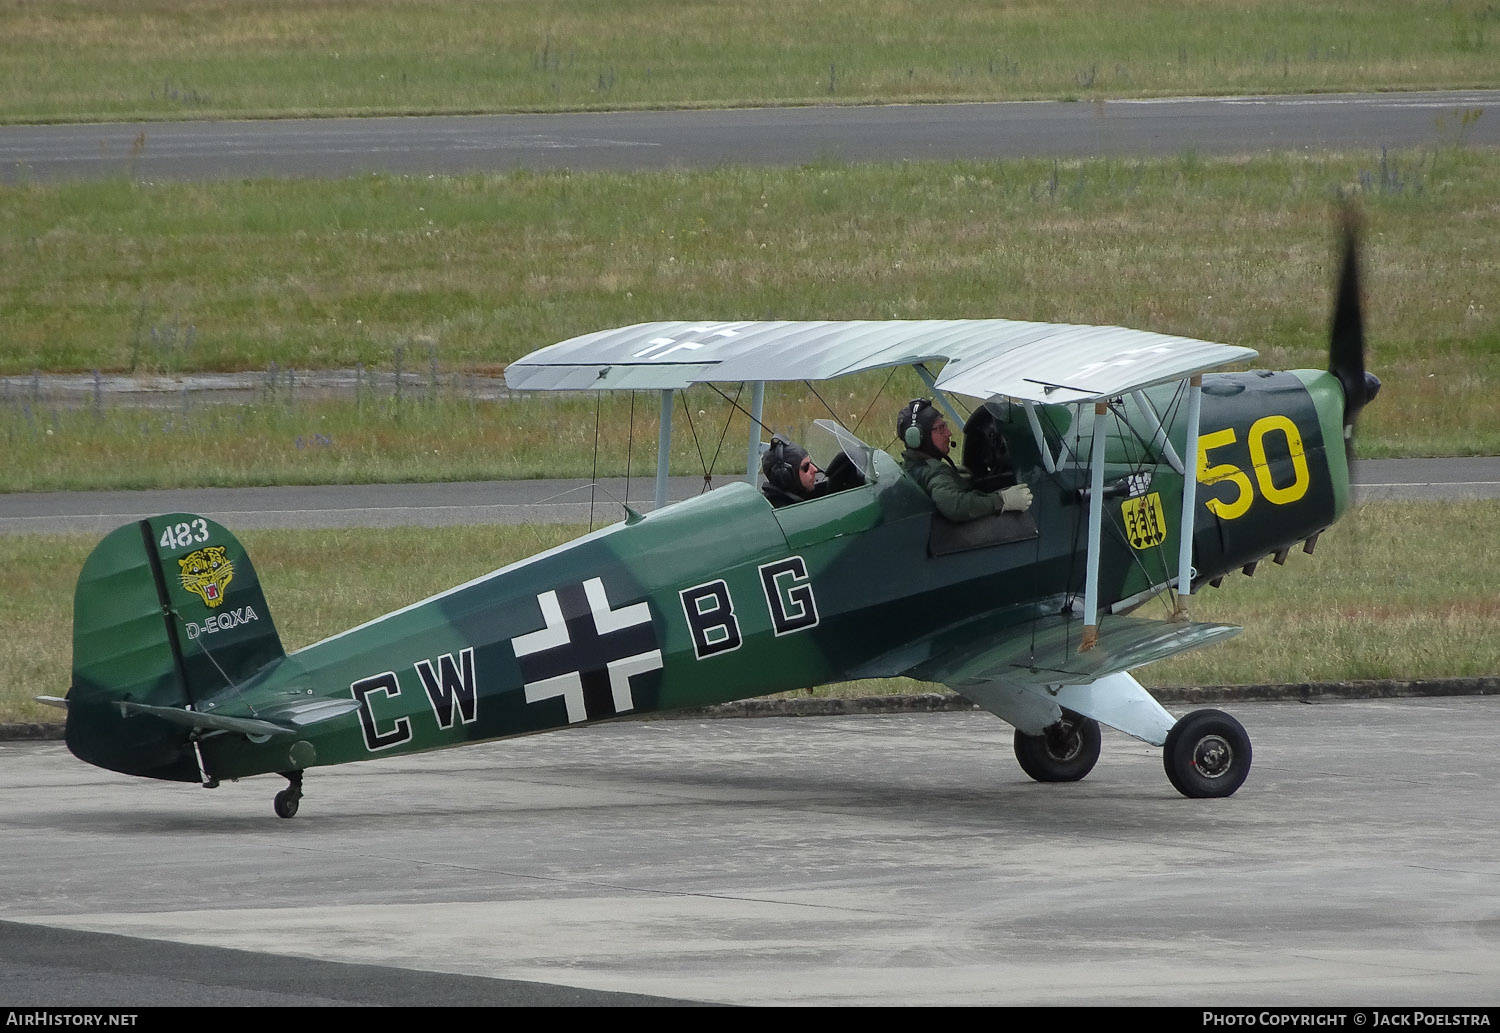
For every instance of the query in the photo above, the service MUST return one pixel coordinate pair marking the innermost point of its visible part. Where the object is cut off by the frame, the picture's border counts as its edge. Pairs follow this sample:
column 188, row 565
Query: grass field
column 460, row 275
column 94, row 60
column 450, row 276
column 1386, row 595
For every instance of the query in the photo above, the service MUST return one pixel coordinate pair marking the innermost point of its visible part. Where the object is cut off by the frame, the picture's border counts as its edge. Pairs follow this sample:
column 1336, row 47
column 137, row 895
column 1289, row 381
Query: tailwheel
column 1207, row 754
column 1064, row 752
column 287, row 800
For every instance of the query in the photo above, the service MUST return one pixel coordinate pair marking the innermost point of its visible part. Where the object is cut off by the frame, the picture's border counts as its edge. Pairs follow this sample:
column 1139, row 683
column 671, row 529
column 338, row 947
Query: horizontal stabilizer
column 198, row 722
column 308, row 711
column 284, row 719
column 52, row 701
column 1046, row 652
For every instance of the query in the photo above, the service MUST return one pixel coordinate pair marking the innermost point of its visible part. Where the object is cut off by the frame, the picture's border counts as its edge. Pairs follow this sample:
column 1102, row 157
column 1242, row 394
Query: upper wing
column 1043, row 362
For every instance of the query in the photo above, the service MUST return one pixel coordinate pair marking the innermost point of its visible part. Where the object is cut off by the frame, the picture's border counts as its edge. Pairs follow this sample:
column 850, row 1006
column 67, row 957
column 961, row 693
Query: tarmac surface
column 542, row 501
column 892, row 859
column 631, row 140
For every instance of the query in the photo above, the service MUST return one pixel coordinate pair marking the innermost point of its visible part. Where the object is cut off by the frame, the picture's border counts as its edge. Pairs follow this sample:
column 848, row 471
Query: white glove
column 1015, row 499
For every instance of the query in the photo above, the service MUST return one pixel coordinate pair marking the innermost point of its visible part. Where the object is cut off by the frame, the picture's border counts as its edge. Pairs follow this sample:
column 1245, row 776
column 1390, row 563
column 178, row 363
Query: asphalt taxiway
column 893, row 859
column 543, row 501
column 635, row 140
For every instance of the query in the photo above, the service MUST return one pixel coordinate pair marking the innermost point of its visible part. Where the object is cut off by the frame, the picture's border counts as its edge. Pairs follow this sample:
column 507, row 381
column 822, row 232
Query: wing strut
column 1048, row 463
column 1160, row 443
column 757, row 407
column 1096, row 527
column 937, row 393
column 663, row 448
column 1189, row 499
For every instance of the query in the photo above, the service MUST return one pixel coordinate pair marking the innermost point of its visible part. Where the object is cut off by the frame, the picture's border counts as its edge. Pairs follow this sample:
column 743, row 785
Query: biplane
column 1153, row 473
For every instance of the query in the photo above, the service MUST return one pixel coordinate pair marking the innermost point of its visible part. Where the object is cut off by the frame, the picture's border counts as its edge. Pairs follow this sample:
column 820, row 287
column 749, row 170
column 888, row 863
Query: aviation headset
column 915, row 421
column 782, row 464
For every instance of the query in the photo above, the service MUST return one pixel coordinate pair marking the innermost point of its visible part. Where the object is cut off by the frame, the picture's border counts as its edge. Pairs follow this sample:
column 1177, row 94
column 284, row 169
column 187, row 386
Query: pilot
column 791, row 475
column 927, row 438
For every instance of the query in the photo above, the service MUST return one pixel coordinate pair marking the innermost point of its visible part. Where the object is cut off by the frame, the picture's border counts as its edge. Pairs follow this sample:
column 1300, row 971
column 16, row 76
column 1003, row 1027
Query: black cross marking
column 587, row 652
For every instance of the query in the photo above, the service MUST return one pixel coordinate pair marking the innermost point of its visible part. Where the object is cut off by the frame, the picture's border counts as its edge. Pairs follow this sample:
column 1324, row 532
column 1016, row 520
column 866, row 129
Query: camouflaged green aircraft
column 179, row 673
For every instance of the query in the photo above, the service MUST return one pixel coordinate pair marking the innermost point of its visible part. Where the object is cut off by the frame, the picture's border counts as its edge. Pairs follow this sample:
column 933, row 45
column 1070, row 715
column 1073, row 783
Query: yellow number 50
column 1229, row 510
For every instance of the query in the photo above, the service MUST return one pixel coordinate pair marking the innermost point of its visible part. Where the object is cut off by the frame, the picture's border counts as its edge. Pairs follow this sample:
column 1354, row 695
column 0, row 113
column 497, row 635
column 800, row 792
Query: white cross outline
column 653, row 346
column 570, row 686
column 1128, row 357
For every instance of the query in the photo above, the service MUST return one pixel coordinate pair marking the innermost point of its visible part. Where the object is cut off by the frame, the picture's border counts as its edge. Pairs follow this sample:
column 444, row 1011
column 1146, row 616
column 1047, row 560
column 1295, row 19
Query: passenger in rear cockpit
column 925, row 433
column 791, row 476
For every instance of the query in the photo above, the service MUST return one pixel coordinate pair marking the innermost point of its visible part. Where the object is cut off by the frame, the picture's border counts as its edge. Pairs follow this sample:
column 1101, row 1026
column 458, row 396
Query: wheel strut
column 1064, row 752
column 287, row 800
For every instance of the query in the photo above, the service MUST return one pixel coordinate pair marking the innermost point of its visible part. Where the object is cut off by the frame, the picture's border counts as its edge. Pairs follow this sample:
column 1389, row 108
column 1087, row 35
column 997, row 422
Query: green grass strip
column 446, row 278
column 92, row 60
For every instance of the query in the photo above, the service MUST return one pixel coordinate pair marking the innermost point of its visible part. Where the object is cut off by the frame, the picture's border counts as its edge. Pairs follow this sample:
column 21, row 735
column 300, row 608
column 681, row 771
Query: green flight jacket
column 956, row 499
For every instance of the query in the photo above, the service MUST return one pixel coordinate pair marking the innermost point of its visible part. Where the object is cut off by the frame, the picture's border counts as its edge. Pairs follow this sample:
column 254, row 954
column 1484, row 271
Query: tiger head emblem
column 207, row 572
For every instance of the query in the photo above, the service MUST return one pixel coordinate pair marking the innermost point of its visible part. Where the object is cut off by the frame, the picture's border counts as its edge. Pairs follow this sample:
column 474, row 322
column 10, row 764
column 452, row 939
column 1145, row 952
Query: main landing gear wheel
column 1064, row 752
column 1207, row 754
column 287, row 800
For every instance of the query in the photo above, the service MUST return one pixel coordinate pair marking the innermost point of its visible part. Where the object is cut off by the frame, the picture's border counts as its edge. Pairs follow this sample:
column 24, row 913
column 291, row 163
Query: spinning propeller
column 1346, row 338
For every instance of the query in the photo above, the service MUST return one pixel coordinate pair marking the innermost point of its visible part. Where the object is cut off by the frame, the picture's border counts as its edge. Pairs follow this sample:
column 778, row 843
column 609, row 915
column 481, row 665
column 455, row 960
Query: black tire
column 1207, row 754
column 1063, row 753
column 286, row 803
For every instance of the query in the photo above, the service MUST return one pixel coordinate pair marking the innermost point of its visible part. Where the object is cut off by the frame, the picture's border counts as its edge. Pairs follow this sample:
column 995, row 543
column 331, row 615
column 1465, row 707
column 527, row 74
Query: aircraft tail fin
column 167, row 611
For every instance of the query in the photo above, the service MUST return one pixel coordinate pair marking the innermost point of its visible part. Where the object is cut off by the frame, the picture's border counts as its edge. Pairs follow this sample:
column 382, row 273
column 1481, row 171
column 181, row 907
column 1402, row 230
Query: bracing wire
column 1189, row 464
column 878, row 395
column 688, row 412
column 223, row 674
column 734, row 404
column 825, row 403
column 1131, row 439
column 1135, row 463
